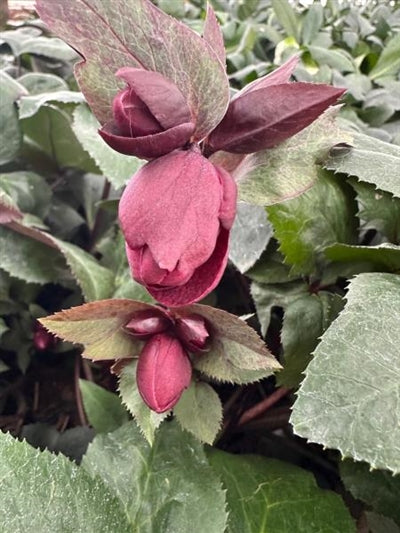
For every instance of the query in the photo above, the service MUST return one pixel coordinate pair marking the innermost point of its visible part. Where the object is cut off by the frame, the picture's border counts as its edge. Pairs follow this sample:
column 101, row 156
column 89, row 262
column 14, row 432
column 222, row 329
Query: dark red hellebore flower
column 151, row 116
column 163, row 372
column 176, row 213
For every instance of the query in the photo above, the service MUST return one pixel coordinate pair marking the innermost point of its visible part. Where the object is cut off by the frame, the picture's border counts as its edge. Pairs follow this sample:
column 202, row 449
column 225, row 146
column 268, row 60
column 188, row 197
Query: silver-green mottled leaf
column 10, row 134
column 29, row 105
column 384, row 257
column 349, row 399
column 165, row 488
column 40, row 491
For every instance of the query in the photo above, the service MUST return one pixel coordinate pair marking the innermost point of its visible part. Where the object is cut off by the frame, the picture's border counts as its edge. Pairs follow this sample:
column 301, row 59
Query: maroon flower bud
column 151, row 116
column 163, row 372
column 146, row 323
column 176, row 213
column 192, row 332
column 42, row 339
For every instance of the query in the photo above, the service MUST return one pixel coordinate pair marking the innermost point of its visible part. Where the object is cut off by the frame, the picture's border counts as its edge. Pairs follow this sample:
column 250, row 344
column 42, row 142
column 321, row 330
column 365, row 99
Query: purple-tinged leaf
column 265, row 117
column 99, row 326
column 276, row 77
column 213, row 35
column 8, row 210
column 236, row 353
column 135, row 33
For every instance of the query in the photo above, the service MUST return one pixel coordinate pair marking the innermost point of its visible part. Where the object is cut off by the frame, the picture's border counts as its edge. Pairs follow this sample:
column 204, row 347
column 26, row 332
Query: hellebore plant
column 164, row 96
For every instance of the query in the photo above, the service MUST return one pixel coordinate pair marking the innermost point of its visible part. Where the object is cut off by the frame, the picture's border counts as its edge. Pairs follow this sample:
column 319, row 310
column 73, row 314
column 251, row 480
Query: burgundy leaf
column 276, row 77
column 265, row 117
column 213, row 35
column 135, row 33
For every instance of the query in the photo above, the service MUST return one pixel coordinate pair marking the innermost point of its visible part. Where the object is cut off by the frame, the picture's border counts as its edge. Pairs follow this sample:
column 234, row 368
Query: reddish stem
column 263, row 406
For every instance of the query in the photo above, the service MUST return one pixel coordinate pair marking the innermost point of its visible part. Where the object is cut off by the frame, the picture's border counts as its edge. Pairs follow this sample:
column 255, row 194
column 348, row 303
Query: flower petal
column 149, row 146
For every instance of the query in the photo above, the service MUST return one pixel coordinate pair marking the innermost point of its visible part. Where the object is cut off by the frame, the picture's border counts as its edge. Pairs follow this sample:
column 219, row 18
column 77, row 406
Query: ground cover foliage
column 304, row 437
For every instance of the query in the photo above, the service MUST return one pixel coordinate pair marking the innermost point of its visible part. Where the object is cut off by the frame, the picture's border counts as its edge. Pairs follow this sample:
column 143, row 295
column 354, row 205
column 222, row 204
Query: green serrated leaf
column 349, row 398
column 236, row 353
column 103, row 409
column 51, row 47
column 305, row 226
column 116, row 167
column 377, row 488
column 95, row 281
column 370, row 160
column 40, row 82
column 286, row 16
column 269, row 495
column 10, row 133
column 388, row 64
column 58, row 496
column 30, row 105
column 199, row 411
column 147, row 420
column 337, row 59
column 384, row 257
column 378, row 210
column 305, row 320
column 381, row 524
column 99, row 327
column 29, row 191
column 272, row 176
column 166, row 488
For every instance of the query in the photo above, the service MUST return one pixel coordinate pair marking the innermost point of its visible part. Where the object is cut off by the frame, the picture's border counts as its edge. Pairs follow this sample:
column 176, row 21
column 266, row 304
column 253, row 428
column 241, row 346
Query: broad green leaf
column 166, row 488
column 349, row 398
column 10, row 134
column 103, row 409
column 266, row 495
column 30, row 105
column 370, row 160
column 236, row 353
column 377, row 488
column 312, row 23
column 337, row 59
column 266, row 296
column 388, row 64
column 98, row 326
column 286, row 16
column 384, row 256
column 250, row 235
column 272, row 176
column 50, row 130
column 306, row 225
column 304, row 321
column 8, row 209
column 95, row 281
column 44, row 492
column 378, row 209
column 40, row 82
column 29, row 260
column 116, row 167
column 139, row 35
column 147, row 420
column 199, row 411
column 29, row 191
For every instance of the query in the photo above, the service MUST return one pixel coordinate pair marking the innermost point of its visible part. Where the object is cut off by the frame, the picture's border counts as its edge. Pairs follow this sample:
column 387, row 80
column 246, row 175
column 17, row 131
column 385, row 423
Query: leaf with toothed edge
column 383, row 173
column 199, row 411
column 236, row 353
column 147, row 420
column 349, row 397
column 142, row 36
column 98, row 326
column 272, row 176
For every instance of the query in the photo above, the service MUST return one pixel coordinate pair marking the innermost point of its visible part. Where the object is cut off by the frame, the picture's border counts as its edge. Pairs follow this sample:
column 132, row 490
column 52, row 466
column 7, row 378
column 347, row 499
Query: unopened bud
column 147, row 323
column 192, row 332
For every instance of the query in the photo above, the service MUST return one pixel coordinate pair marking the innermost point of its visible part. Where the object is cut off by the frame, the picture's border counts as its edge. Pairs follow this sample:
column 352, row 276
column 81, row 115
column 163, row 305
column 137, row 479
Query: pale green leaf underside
column 371, row 160
column 385, row 256
column 290, row 169
column 349, row 399
column 270, row 496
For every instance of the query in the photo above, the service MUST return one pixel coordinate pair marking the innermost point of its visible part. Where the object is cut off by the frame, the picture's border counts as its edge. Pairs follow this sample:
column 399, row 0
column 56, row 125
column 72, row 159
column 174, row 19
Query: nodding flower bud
column 192, row 332
column 147, row 323
column 42, row 339
column 163, row 372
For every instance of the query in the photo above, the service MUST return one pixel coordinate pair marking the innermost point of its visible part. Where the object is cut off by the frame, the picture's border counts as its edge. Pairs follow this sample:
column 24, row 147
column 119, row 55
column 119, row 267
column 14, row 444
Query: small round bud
column 192, row 332
column 146, row 323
